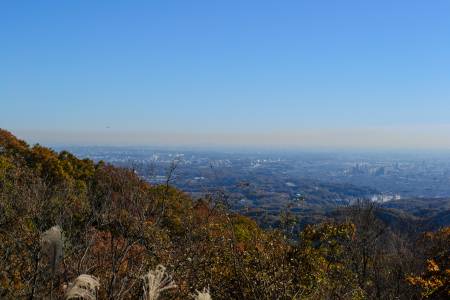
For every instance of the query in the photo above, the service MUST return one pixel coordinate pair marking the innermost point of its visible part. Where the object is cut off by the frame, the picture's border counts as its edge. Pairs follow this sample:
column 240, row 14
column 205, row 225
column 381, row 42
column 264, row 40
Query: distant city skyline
column 290, row 74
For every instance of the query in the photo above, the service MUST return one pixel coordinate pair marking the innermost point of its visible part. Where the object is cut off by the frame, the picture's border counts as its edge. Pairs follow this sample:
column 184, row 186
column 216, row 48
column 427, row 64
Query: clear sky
column 281, row 73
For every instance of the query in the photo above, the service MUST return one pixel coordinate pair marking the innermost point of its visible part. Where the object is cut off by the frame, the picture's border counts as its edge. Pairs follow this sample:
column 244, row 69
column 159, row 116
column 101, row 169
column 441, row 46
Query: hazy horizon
column 377, row 139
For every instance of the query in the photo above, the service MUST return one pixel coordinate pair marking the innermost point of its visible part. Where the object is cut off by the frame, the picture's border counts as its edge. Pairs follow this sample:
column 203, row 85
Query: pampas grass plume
column 52, row 246
column 157, row 281
column 203, row 295
column 84, row 287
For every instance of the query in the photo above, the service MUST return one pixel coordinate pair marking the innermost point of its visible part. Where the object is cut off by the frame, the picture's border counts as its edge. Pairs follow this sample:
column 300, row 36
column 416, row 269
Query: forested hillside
column 62, row 217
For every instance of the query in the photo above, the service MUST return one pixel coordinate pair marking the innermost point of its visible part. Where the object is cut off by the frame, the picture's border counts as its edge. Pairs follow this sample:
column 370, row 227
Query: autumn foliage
column 115, row 227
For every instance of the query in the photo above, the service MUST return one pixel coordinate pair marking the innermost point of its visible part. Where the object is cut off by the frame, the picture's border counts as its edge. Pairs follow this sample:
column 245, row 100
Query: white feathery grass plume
column 203, row 295
column 84, row 287
column 157, row 281
column 52, row 246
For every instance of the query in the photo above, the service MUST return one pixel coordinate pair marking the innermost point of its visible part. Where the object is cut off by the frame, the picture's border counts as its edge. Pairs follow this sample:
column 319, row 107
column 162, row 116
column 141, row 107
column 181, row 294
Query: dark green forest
column 75, row 229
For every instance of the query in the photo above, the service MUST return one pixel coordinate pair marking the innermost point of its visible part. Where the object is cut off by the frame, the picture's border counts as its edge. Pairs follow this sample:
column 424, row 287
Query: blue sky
column 322, row 73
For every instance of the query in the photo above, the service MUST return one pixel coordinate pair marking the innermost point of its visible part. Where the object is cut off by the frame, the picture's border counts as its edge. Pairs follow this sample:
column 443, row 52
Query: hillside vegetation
column 72, row 228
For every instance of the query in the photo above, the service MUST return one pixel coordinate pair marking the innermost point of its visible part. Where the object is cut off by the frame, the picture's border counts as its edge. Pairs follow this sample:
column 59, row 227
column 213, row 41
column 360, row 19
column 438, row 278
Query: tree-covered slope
column 62, row 217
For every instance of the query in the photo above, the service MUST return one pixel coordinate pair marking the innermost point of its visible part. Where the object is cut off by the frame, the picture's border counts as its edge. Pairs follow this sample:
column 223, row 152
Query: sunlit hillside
column 71, row 228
